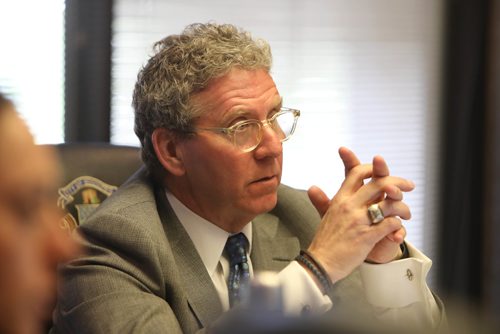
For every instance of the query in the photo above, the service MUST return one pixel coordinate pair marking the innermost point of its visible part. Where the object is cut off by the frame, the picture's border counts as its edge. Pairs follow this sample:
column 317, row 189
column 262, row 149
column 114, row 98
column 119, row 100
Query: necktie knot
column 239, row 274
column 236, row 247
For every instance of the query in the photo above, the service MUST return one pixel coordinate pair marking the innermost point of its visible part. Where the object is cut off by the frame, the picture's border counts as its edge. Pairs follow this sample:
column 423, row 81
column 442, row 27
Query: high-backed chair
column 91, row 173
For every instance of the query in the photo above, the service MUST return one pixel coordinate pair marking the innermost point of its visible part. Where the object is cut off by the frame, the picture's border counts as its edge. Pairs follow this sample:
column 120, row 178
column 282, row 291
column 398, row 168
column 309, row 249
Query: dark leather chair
column 91, row 173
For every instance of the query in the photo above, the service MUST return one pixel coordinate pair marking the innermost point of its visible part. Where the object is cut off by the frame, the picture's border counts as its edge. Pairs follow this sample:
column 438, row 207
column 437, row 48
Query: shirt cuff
column 398, row 283
column 300, row 292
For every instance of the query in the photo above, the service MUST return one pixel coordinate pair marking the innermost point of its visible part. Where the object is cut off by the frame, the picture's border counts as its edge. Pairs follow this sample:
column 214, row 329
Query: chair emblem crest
column 81, row 197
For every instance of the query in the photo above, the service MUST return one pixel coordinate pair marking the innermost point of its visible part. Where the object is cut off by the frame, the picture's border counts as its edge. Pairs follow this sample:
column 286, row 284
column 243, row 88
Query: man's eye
column 235, row 122
column 243, row 127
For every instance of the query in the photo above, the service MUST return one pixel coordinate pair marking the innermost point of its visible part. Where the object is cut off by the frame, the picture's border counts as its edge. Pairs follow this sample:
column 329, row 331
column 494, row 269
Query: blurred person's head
column 31, row 241
column 182, row 66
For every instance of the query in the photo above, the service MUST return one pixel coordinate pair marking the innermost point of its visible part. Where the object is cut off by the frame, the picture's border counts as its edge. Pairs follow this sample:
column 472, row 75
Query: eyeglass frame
column 229, row 131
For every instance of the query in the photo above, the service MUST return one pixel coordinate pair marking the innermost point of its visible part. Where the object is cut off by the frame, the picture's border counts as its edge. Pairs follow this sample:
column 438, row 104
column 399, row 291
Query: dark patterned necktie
column 239, row 273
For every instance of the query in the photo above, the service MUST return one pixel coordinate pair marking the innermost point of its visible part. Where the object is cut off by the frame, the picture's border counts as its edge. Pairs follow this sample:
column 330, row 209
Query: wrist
column 402, row 253
column 316, row 271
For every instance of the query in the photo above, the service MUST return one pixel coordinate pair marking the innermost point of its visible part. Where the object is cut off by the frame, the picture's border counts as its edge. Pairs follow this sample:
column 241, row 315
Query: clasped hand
column 346, row 236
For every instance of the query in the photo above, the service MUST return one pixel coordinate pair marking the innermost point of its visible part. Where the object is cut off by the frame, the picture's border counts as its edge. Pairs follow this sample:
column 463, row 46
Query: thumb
column 319, row 199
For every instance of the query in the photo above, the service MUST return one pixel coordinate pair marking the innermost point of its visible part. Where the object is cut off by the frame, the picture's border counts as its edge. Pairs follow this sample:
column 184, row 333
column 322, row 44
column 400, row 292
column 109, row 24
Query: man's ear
column 164, row 143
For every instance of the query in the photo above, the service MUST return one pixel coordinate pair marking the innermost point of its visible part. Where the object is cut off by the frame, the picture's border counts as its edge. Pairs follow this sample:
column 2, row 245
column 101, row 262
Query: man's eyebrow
column 245, row 112
column 236, row 113
column 240, row 112
column 233, row 114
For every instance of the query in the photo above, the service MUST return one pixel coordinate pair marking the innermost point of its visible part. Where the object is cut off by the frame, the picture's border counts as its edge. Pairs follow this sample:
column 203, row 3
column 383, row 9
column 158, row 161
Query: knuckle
column 378, row 182
column 358, row 171
column 388, row 207
column 397, row 208
column 344, row 207
column 393, row 192
column 394, row 222
column 393, row 181
column 405, row 211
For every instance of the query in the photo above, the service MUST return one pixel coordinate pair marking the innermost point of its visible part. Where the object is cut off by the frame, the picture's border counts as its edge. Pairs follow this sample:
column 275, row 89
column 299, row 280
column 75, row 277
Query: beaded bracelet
column 316, row 269
column 404, row 250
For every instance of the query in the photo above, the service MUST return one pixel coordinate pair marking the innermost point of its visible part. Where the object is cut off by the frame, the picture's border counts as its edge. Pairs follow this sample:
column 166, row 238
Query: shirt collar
column 208, row 239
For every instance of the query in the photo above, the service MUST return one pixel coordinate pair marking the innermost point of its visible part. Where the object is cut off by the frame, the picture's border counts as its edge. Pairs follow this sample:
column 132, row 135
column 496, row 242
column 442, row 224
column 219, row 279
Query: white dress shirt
column 396, row 290
column 209, row 241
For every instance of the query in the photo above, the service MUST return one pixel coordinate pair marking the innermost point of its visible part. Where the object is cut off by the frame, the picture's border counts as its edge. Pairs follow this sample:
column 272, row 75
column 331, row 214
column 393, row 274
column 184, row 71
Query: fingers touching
column 388, row 186
column 346, row 236
column 395, row 208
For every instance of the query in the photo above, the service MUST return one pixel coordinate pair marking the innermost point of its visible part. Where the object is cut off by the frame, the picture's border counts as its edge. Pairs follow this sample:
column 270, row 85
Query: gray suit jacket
column 141, row 272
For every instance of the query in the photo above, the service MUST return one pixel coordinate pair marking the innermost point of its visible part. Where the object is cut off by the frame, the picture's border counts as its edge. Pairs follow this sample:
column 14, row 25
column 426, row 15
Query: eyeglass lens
column 248, row 136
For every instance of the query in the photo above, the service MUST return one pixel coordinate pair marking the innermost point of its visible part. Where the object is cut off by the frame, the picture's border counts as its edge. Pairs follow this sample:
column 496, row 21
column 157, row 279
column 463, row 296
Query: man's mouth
column 265, row 179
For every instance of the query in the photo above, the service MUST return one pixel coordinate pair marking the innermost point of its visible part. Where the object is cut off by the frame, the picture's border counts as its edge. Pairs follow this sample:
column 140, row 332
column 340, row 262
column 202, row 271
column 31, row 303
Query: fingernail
column 412, row 183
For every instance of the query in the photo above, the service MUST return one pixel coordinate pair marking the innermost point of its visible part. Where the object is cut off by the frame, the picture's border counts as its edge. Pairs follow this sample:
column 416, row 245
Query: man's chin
column 266, row 203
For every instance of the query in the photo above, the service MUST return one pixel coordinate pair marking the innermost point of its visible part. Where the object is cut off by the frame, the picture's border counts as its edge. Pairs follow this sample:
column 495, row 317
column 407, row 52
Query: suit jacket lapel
column 272, row 249
column 200, row 291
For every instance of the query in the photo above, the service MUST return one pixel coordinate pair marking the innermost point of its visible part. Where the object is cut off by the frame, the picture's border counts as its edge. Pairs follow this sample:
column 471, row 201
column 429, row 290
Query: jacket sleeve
column 118, row 286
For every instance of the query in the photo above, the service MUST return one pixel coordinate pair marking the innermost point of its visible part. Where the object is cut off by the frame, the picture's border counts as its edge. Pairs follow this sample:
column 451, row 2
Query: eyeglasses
column 246, row 135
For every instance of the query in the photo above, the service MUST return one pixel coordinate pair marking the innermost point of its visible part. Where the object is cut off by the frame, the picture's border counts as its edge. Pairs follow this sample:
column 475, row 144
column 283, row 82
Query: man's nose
column 270, row 144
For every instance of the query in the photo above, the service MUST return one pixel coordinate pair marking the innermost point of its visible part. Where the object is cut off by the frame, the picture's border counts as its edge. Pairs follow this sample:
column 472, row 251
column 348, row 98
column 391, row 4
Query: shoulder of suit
column 131, row 210
column 131, row 199
column 287, row 194
column 295, row 202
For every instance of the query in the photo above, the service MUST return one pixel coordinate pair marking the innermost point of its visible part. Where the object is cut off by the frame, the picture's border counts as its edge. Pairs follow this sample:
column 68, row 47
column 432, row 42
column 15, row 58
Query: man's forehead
column 240, row 79
column 239, row 90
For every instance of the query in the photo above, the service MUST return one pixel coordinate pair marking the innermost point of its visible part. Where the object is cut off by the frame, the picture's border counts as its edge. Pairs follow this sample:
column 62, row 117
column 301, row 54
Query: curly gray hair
column 183, row 65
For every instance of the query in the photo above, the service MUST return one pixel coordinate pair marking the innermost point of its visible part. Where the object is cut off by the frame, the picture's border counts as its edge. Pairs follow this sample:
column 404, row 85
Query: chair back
column 91, row 173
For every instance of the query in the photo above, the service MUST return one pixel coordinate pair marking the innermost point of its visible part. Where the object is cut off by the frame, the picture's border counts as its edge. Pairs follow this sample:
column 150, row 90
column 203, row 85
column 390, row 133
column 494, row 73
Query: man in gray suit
column 211, row 125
